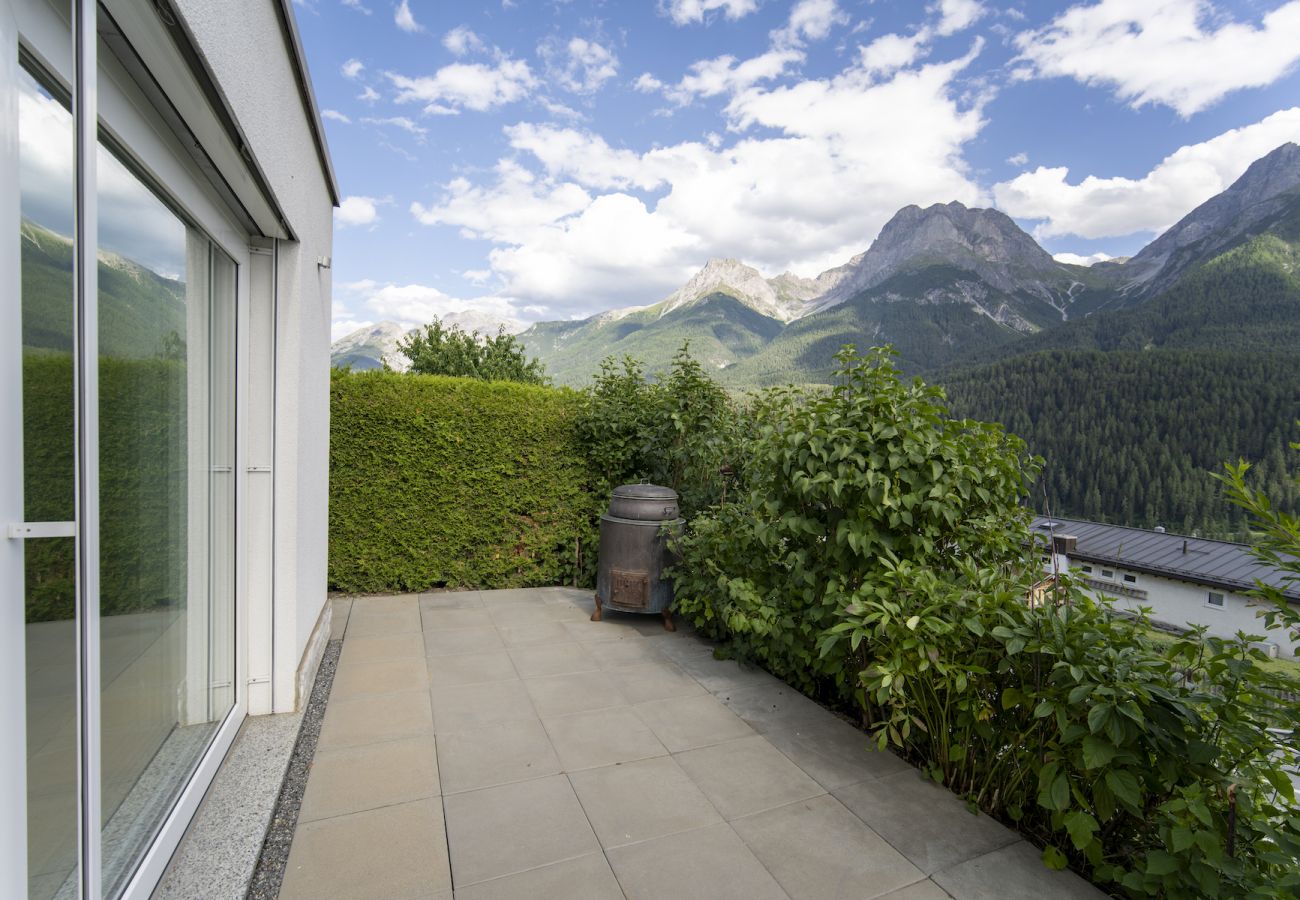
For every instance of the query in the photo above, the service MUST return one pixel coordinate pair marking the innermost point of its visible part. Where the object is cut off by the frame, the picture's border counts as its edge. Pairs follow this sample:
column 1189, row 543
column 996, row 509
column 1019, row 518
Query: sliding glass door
column 164, row 353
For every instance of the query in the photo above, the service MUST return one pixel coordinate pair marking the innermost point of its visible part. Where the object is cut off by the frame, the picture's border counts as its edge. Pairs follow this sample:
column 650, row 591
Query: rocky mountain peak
column 1218, row 223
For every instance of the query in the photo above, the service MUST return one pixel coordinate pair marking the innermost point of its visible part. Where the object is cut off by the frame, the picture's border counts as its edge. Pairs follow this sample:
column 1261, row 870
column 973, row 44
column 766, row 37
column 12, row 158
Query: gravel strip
column 279, row 835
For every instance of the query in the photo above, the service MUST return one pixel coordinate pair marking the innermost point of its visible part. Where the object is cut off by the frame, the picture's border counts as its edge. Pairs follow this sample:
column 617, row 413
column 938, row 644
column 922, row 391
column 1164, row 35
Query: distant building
column 1182, row 580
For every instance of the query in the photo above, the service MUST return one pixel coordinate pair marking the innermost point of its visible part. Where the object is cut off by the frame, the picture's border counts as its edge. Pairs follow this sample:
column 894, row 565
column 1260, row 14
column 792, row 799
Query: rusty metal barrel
column 634, row 551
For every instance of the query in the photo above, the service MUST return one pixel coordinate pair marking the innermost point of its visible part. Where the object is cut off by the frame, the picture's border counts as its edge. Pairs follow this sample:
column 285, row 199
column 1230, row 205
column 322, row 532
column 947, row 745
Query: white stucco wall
column 1180, row 603
column 244, row 45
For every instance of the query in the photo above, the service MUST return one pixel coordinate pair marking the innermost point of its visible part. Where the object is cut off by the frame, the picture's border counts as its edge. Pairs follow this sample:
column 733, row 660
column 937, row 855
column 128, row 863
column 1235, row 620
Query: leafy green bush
column 450, row 481
column 679, row 431
column 880, row 558
column 439, row 350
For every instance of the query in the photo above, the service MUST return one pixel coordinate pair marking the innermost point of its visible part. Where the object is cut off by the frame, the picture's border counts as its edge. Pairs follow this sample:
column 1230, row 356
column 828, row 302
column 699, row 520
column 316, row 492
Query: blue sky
column 549, row 159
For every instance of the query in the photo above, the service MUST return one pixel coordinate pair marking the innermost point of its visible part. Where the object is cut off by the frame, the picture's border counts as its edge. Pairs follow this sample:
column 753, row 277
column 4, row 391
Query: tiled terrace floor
column 500, row 745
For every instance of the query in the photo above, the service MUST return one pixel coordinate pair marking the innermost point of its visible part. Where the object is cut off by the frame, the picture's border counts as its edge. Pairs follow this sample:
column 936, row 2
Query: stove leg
column 597, row 615
column 668, row 621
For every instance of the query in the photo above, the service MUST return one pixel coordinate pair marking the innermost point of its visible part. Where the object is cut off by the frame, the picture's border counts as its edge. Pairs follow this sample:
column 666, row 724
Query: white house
column 1182, row 580
column 166, row 201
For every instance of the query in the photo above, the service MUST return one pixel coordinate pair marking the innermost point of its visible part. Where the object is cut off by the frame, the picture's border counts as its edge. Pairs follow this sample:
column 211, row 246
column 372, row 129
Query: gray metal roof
column 1216, row 563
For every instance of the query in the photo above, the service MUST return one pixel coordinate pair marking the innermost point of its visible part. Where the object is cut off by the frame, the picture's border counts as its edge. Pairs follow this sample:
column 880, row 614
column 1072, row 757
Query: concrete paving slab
column 339, row 609
column 515, row 827
column 562, row 695
column 629, row 650
column 654, row 680
column 471, row 668
column 455, row 641
column 1015, row 872
column 818, row 850
column 720, row 675
column 385, row 603
column 458, row 707
column 710, row 863
column 552, row 659
column 773, row 704
column 450, row 600
column 380, row 676
column 394, row 852
column 373, row 649
column 517, row 615
column 747, row 776
column 369, row 776
column 601, row 738
column 585, row 878
column 440, row 618
column 495, row 754
column 834, row 753
column 545, row 632
column 684, row 723
column 927, row 823
column 374, row 624
column 592, row 632
column 922, row 890
column 640, row 800
column 382, row 717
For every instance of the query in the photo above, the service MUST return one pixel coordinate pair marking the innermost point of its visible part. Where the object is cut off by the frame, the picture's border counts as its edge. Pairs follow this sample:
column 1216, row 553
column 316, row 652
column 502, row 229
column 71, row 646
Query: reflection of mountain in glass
column 142, row 429
column 141, row 313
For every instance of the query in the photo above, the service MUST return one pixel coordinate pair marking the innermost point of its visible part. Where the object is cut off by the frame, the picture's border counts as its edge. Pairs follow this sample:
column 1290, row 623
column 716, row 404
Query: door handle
column 23, row 531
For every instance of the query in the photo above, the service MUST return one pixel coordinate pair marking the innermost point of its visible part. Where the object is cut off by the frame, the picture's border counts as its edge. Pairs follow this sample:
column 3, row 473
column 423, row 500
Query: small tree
column 441, row 350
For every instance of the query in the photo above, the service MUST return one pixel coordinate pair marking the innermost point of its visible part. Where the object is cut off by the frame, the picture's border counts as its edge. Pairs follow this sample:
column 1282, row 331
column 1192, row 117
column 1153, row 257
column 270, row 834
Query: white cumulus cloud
column 335, row 115
column 355, row 210
column 405, row 19
column 1096, row 207
column 1077, row 260
column 1184, row 54
column 352, row 68
column 473, row 86
column 581, row 66
column 684, row 12
column 460, row 40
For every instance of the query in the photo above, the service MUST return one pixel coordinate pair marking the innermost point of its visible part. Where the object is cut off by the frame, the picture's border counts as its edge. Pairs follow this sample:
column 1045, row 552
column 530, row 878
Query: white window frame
column 1223, row 600
column 109, row 101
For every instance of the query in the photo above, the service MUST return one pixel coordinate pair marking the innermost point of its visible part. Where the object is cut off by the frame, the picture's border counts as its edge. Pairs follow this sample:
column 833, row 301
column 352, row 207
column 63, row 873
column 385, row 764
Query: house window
column 1214, row 599
column 1087, row 570
column 1131, row 579
column 1107, row 573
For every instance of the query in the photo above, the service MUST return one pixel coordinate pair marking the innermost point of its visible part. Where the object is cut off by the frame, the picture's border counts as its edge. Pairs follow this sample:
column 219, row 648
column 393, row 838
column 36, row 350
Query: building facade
column 166, row 215
column 1183, row 580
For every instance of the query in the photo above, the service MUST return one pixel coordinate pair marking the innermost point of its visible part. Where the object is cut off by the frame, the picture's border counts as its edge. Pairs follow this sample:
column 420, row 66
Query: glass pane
column 45, row 174
column 166, row 426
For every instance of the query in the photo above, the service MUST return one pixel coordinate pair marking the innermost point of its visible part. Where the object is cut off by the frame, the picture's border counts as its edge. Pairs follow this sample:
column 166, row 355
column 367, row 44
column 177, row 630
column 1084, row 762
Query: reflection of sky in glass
column 132, row 221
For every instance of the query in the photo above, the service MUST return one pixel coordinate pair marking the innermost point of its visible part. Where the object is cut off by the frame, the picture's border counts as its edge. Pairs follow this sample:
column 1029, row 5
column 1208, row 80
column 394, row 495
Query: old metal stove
column 634, row 551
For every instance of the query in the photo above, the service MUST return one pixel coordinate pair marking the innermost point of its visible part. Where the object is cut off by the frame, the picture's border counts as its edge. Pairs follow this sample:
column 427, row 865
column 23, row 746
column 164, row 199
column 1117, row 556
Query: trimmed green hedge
column 438, row 481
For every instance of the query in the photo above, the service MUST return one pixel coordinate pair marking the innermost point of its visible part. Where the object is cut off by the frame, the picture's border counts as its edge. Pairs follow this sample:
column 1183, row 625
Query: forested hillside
column 1132, row 437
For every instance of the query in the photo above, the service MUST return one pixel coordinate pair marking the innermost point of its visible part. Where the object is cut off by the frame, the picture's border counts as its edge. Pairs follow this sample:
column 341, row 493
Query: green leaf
column 1180, row 838
column 1126, row 789
column 1097, row 752
column 1097, row 717
column 1081, row 828
column 1054, row 859
column 1161, row 863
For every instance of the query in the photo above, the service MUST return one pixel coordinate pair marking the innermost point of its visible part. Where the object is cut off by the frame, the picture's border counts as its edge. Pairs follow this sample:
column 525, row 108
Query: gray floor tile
column 367, row 604
column 656, row 680
column 707, row 864
column 601, row 738
column 519, row 615
column 352, row 779
column 1015, row 872
column 503, row 830
column 383, row 676
column 451, row 600
column 922, row 890
column 382, row 717
column 531, row 635
column 608, row 630
column 684, row 723
column 377, row 624
column 747, row 776
column 721, row 675
column 495, row 754
column 632, row 650
column 640, row 800
column 818, row 850
column 927, row 823
column 397, row 852
column 339, row 609
column 458, row 707
column 585, row 878
column 375, row 649
column 471, row 668
column 454, row 641
column 552, row 659
column 441, row 618
column 771, row 705
column 561, row 695
column 835, row 753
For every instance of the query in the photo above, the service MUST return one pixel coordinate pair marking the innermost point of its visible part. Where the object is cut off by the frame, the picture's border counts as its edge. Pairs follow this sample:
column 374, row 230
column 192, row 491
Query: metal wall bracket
column 23, row 531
